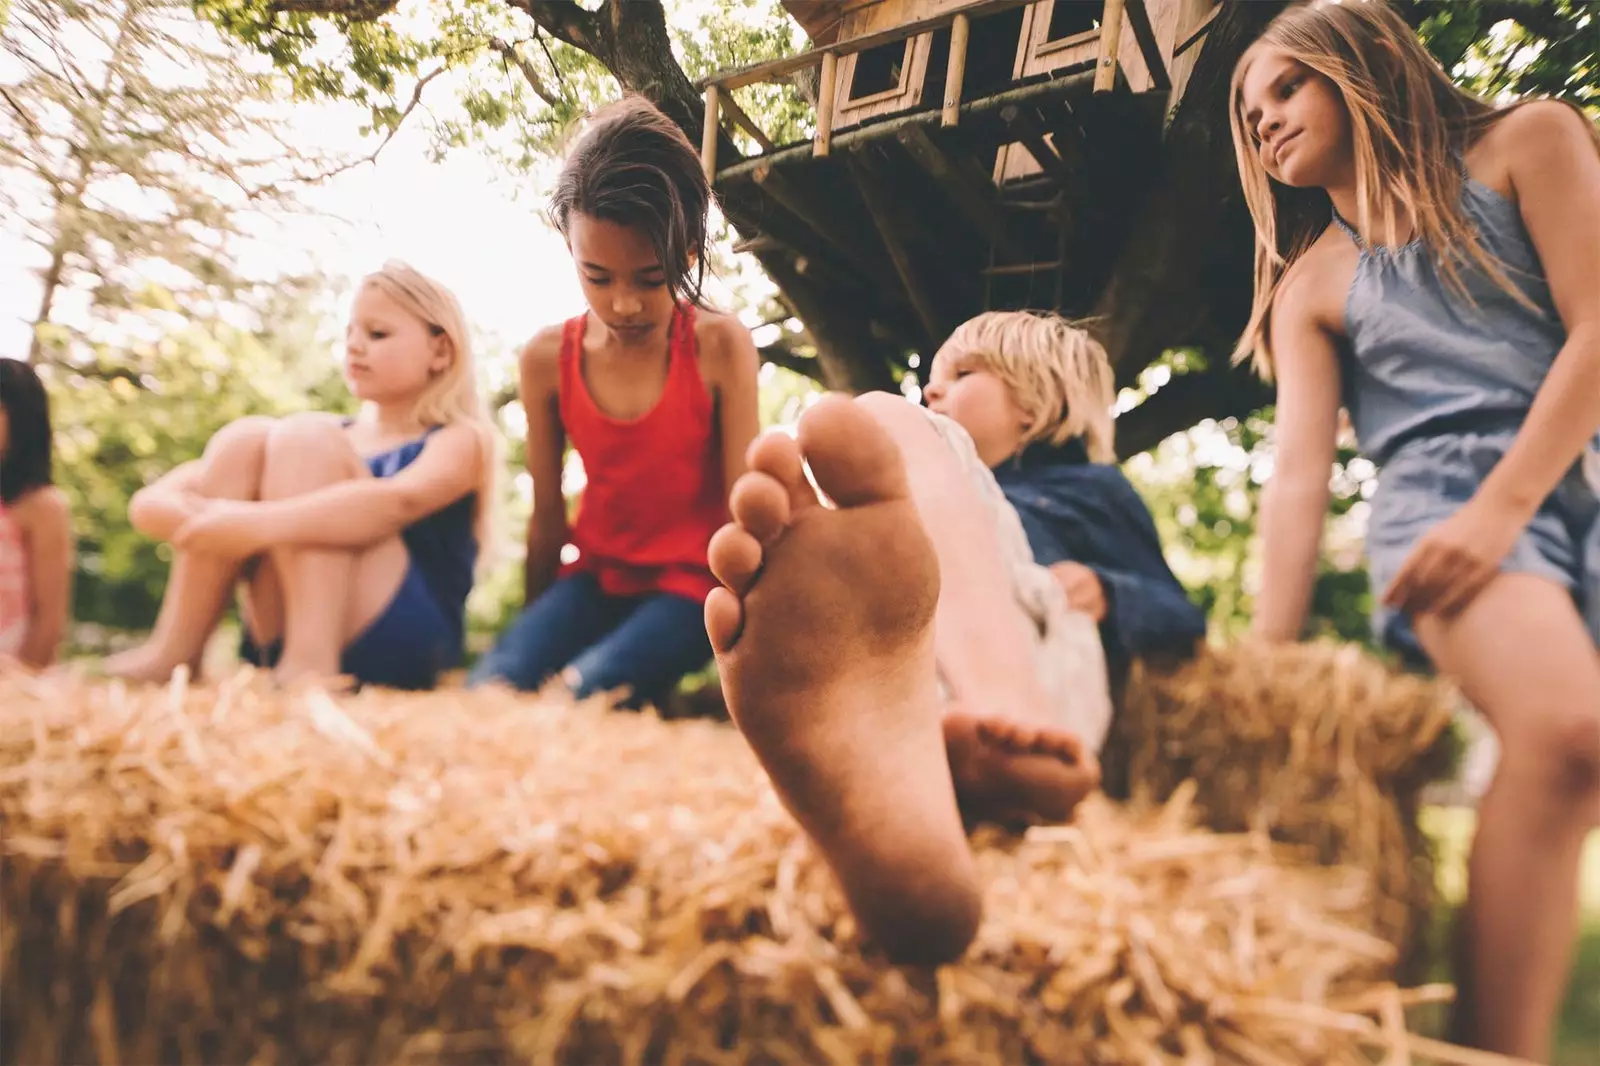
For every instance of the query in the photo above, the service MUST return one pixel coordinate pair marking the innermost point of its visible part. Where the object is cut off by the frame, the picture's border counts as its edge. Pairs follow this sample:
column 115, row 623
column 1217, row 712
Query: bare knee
column 315, row 439
column 306, row 450
column 242, row 440
column 1563, row 751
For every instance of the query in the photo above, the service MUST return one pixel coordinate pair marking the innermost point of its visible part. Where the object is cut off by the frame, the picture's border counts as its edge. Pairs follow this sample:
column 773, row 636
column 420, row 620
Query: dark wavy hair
column 635, row 167
column 25, row 466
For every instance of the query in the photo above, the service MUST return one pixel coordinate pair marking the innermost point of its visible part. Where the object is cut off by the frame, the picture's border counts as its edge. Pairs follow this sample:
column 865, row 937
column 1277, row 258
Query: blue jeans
column 646, row 644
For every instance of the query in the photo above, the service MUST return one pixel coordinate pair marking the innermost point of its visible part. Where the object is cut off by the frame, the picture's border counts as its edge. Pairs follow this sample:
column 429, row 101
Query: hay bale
column 1317, row 744
column 238, row 875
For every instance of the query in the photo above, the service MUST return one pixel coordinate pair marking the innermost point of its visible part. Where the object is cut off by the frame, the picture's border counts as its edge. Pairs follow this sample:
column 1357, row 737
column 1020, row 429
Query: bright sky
column 458, row 220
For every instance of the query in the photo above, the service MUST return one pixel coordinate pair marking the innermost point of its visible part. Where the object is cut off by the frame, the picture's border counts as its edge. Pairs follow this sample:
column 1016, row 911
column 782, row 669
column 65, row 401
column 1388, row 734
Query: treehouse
column 965, row 155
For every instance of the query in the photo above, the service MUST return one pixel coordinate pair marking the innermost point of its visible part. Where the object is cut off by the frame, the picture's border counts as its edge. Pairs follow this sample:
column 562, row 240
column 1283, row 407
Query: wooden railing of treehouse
column 721, row 106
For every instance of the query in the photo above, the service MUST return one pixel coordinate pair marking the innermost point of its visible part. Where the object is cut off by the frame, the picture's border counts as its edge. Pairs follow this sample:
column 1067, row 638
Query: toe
column 761, row 505
column 724, row 619
column 777, row 455
column 735, row 558
column 853, row 457
column 1006, row 734
column 1061, row 744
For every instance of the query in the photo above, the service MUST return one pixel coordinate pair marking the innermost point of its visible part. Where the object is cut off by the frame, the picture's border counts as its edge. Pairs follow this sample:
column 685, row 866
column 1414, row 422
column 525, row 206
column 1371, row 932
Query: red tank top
column 654, row 495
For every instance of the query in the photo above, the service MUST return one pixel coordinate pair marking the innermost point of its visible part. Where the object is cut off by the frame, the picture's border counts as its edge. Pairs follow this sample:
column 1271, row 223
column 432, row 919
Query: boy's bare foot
column 144, row 664
column 824, row 637
column 1014, row 772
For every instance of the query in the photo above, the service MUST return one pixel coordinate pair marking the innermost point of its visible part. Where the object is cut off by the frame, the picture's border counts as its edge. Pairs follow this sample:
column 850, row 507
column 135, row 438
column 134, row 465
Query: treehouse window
column 878, row 70
column 1068, row 18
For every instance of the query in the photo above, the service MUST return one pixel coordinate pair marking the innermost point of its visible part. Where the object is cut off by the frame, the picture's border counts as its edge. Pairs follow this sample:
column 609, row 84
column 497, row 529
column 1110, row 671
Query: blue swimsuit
column 421, row 632
column 1437, row 390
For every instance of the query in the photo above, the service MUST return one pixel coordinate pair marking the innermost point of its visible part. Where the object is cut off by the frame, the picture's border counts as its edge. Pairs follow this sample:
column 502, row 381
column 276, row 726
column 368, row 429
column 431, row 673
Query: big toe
column 853, row 457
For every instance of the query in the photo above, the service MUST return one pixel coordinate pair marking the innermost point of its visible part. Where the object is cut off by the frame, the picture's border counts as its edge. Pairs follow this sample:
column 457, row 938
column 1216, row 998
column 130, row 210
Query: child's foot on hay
column 824, row 636
column 1013, row 772
column 143, row 665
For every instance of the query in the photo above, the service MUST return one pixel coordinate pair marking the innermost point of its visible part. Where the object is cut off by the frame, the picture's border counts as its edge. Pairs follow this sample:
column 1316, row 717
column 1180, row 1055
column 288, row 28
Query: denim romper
column 1437, row 387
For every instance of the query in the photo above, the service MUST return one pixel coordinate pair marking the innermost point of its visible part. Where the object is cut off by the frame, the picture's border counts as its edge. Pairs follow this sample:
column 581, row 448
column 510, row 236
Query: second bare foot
column 1010, row 772
column 824, row 637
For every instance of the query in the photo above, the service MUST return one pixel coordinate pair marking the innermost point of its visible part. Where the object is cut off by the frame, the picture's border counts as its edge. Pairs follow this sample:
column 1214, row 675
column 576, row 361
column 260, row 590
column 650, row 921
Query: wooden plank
column 976, row 198
column 824, row 138
column 709, row 132
column 1058, row 88
column 1015, row 269
column 777, row 68
column 1022, row 124
column 957, row 70
column 731, row 108
column 1105, row 68
column 1145, row 35
column 1200, row 30
column 879, row 197
column 821, row 216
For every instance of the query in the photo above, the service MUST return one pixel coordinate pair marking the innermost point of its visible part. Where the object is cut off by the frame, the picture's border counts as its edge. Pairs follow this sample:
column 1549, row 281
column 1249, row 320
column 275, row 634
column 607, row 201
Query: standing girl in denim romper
column 1433, row 263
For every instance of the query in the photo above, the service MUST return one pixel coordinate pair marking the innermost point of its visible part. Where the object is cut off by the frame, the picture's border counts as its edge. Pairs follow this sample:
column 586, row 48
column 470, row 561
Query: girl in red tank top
column 657, row 395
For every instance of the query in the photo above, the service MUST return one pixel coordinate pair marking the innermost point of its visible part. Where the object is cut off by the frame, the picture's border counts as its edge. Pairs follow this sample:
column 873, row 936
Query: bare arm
column 1555, row 170
column 540, row 372
column 1294, row 507
column 46, row 522
column 160, row 508
column 350, row 514
column 736, row 367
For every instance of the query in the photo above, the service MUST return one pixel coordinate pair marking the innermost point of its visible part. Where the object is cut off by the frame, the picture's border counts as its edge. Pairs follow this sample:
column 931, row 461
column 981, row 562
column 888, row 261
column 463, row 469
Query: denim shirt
column 1089, row 513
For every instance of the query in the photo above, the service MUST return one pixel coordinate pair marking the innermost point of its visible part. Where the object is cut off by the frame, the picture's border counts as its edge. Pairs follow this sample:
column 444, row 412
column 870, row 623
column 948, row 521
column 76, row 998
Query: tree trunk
column 1184, row 276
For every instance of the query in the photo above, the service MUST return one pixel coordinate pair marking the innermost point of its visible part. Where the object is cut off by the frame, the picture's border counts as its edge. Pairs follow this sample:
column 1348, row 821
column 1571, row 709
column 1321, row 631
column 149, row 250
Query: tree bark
column 1183, row 278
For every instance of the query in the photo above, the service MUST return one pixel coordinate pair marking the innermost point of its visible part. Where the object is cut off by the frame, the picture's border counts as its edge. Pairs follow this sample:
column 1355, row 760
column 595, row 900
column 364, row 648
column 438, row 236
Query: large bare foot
column 1012, row 772
column 824, row 637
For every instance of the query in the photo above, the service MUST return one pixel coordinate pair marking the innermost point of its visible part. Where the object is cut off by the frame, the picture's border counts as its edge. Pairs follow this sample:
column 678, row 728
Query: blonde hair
column 1408, row 167
column 452, row 397
column 1057, row 373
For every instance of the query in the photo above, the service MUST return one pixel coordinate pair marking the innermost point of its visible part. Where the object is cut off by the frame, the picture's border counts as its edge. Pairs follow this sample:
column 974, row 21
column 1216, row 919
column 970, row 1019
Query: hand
column 1083, row 589
column 1455, row 560
column 233, row 529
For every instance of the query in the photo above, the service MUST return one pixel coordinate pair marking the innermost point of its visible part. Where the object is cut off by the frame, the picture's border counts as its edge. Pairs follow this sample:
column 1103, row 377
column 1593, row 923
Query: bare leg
column 1522, row 655
column 199, row 584
column 328, row 596
column 1010, row 757
column 824, row 635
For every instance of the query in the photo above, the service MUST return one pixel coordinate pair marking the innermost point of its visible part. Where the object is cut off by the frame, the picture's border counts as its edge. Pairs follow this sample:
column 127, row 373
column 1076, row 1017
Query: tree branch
column 354, row 10
column 509, row 53
column 416, row 98
column 566, row 21
column 1221, row 392
column 780, row 354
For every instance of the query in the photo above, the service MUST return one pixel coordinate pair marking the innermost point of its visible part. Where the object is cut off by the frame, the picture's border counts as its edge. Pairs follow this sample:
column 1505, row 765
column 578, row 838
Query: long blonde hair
column 1408, row 167
column 453, row 396
column 1058, row 374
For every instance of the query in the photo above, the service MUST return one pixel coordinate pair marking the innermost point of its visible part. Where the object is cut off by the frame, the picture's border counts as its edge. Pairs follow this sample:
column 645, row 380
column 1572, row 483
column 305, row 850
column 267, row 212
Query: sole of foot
column 824, row 638
column 1013, row 773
